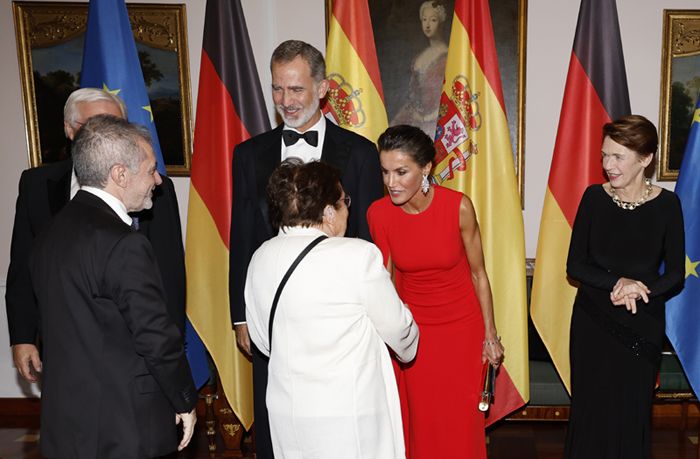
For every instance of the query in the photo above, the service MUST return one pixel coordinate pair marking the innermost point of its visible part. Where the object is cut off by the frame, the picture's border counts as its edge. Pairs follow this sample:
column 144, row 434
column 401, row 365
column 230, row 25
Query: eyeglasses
column 347, row 201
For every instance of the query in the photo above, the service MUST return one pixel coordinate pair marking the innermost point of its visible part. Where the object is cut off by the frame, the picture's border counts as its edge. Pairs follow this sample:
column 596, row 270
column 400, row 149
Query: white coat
column 331, row 390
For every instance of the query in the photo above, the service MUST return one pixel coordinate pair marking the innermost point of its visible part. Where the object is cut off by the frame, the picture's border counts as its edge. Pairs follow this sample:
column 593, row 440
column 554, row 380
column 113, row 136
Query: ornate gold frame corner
column 162, row 26
column 681, row 38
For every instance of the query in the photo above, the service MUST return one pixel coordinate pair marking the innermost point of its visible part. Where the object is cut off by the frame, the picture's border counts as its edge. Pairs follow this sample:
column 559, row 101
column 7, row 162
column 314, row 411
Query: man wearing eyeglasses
column 298, row 85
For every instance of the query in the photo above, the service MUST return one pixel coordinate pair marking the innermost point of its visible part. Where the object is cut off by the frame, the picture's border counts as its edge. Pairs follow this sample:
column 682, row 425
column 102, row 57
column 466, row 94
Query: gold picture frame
column 49, row 48
column 680, row 87
column 510, row 32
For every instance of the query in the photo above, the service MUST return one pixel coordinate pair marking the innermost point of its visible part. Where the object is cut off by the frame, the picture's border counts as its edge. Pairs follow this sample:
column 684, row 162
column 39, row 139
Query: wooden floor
column 510, row 440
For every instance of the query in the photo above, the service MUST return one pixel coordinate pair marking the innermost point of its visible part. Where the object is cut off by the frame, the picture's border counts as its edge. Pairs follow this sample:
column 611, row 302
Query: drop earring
column 425, row 184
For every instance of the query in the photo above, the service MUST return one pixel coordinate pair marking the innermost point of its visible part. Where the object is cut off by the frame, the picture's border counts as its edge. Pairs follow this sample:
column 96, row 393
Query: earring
column 425, row 184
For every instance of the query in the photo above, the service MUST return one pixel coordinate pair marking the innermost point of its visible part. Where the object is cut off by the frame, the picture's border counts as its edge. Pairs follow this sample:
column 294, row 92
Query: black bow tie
column 291, row 137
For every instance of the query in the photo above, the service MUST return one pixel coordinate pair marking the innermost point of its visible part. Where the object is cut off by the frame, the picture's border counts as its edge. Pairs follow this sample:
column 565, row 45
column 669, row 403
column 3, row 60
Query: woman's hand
column 627, row 291
column 492, row 350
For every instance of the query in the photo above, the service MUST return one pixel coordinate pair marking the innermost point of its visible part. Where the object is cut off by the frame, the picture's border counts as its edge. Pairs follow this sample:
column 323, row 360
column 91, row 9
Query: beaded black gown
column 615, row 355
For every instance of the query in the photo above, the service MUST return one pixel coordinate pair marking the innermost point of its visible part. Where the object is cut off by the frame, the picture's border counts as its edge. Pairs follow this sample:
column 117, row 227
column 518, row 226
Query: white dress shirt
column 74, row 185
column 303, row 150
column 115, row 204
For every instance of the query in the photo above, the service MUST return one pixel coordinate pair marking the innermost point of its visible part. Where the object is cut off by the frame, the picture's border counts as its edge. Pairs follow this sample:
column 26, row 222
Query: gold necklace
column 634, row 204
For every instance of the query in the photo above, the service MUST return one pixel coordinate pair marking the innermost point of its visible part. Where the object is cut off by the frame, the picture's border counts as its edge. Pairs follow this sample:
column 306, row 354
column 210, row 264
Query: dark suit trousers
column 263, row 440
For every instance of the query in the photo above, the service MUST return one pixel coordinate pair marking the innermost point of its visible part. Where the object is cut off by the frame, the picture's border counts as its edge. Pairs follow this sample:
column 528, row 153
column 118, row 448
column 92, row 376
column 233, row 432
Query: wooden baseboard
column 541, row 413
column 24, row 413
column 671, row 413
column 20, row 412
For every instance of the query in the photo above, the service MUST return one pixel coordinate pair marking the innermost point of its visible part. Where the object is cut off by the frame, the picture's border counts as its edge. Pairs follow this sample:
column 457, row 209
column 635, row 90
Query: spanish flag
column 474, row 156
column 230, row 109
column 355, row 99
column 595, row 93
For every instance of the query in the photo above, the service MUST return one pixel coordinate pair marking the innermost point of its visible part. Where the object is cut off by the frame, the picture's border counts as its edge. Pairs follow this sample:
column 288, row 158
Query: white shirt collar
column 115, row 204
column 74, row 185
column 303, row 150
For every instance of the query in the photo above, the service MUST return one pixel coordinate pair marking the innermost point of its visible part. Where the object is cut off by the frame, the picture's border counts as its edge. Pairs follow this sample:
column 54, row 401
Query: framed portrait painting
column 680, row 87
column 50, row 37
column 412, row 57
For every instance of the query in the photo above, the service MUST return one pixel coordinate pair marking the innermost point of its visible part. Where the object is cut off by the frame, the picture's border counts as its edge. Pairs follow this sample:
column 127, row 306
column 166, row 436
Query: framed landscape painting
column 50, row 37
column 680, row 87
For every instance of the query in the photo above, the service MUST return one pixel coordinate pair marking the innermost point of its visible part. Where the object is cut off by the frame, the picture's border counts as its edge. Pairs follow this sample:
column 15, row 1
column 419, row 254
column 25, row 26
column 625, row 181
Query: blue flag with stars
column 683, row 311
column 111, row 63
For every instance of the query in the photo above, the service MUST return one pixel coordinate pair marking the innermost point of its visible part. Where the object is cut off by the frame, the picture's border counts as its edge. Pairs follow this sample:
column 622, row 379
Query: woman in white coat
column 331, row 390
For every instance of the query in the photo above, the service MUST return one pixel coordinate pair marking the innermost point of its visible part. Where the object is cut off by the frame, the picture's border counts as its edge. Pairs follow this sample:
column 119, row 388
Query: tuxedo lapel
column 335, row 152
column 264, row 164
column 58, row 189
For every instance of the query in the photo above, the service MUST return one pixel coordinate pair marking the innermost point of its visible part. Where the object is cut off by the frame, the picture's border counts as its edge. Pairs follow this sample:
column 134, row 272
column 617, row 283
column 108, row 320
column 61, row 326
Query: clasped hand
column 627, row 291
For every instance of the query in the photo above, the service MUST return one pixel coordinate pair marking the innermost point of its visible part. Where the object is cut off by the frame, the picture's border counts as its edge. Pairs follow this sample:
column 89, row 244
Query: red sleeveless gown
column 440, row 389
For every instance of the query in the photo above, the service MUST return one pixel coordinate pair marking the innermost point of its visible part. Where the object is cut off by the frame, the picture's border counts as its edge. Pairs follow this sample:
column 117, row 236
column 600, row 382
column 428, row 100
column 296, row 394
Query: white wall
column 551, row 25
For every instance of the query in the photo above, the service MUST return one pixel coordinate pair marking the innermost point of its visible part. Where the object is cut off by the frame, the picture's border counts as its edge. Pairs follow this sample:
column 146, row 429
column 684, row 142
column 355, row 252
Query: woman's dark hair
column 634, row 132
column 410, row 140
column 297, row 192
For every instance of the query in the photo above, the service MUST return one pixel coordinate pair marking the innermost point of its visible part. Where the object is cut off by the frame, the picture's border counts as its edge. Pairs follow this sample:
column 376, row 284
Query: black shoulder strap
column 291, row 269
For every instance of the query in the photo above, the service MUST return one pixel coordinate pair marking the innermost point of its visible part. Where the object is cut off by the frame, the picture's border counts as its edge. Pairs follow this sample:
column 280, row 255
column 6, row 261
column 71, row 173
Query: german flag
column 474, row 156
column 355, row 99
column 230, row 109
column 596, row 93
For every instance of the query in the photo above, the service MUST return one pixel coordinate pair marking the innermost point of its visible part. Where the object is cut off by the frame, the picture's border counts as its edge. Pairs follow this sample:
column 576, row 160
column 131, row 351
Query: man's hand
column 243, row 338
column 27, row 361
column 188, row 422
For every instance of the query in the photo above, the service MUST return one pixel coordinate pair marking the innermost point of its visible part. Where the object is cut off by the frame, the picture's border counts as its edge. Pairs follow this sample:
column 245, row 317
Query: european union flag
column 683, row 311
column 110, row 62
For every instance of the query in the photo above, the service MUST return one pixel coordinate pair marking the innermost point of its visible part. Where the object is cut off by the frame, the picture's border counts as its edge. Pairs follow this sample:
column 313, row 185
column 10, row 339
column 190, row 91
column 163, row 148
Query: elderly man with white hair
column 43, row 192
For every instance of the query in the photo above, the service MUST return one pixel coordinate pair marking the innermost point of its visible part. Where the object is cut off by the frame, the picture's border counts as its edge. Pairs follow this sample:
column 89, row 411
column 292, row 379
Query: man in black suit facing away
column 115, row 376
column 298, row 85
column 43, row 191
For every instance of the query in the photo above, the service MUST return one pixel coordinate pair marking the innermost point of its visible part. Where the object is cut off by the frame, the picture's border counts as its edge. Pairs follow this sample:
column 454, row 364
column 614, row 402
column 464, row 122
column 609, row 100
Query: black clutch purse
column 488, row 376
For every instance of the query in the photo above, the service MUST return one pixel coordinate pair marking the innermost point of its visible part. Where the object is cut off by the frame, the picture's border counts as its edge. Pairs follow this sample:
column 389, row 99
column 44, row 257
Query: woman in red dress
column 430, row 241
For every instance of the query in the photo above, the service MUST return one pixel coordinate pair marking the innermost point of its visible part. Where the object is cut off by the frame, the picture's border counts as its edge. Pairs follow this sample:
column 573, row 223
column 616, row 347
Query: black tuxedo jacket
column 43, row 192
column 114, row 367
column 253, row 163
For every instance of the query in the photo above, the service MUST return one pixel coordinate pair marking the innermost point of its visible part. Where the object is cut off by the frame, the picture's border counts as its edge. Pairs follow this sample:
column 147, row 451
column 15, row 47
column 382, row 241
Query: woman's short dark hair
column 297, row 192
column 634, row 132
column 410, row 140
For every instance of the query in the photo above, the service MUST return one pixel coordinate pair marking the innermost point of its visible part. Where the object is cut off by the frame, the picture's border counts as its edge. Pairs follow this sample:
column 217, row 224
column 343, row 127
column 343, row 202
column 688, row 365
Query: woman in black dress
column 627, row 253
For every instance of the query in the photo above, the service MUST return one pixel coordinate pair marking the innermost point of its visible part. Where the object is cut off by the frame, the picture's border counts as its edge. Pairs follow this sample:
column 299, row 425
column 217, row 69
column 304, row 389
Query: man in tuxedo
column 43, row 191
column 115, row 377
column 298, row 85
